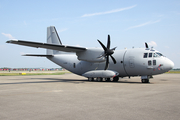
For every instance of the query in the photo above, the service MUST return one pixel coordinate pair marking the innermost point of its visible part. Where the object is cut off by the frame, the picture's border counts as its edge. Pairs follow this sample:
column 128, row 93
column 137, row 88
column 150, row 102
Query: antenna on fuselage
column 152, row 49
column 146, row 45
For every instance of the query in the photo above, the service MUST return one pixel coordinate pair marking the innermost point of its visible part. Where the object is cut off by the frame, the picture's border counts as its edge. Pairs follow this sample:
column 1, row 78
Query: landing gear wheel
column 115, row 79
column 91, row 79
column 108, row 79
column 99, row 79
column 145, row 80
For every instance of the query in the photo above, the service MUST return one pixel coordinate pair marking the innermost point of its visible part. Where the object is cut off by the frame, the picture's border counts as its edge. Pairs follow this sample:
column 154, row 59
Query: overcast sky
column 81, row 22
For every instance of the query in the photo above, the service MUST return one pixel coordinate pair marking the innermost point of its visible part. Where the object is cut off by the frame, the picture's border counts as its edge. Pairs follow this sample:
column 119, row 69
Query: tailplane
column 53, row 38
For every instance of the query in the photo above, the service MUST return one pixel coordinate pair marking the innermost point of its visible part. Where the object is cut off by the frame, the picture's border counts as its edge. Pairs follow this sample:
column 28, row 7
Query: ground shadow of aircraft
column 74, row 81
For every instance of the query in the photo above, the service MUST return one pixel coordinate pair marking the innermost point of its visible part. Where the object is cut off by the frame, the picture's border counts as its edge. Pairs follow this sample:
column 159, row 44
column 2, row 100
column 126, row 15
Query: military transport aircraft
column 102, row 63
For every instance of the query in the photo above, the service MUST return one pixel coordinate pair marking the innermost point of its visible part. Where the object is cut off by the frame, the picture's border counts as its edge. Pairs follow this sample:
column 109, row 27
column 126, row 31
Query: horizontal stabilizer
column 37, row 55
column 48, row 46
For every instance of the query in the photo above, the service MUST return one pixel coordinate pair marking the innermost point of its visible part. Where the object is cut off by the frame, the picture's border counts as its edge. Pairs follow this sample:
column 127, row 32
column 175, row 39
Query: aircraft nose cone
column 170, row 64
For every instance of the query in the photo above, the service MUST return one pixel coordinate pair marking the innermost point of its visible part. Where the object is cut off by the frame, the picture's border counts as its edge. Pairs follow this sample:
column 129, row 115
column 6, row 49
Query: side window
column 150, row 54
column 145, row 55
column 149, row 62
column 154, row 62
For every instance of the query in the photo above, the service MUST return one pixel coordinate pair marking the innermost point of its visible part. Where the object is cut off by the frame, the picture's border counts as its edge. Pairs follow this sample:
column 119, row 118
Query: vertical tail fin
column 53, row 38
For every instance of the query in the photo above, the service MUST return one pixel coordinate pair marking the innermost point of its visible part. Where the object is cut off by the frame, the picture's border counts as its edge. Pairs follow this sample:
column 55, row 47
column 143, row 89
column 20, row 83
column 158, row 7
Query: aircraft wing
column 48, row 46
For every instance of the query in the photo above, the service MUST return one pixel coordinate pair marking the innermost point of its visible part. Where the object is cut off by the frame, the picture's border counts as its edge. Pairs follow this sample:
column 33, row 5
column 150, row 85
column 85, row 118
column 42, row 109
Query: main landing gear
column 144, row 79
column 99, row 79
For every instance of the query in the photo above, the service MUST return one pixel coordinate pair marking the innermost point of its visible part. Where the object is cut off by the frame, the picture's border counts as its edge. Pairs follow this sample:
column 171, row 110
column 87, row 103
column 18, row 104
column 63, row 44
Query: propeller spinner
column 107, row 52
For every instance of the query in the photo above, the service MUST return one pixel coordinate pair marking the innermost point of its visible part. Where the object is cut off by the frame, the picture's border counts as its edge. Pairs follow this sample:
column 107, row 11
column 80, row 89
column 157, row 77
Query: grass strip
column 20, row 74
column 174, row 72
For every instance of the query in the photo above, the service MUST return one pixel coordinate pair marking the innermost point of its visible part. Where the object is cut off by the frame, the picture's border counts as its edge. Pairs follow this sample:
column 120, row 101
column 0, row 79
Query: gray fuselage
column 130, row 62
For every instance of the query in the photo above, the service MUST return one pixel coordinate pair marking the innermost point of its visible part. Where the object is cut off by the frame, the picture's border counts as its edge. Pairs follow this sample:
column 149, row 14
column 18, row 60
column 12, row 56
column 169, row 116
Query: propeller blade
column 107, row 62
column 107, row 52
column 113, row 59
column 113, row 48
column 102, row 45
column 109, row 42
column 146, row 45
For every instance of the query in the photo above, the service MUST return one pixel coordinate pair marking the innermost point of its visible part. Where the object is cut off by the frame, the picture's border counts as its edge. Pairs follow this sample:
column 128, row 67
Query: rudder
column 53, row 38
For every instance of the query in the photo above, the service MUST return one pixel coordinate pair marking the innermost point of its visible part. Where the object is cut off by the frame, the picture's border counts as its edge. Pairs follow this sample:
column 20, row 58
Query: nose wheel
column 145, row 80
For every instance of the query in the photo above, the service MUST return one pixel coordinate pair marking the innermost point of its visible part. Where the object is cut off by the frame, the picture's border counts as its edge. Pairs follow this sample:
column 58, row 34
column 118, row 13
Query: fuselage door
column 131, row 62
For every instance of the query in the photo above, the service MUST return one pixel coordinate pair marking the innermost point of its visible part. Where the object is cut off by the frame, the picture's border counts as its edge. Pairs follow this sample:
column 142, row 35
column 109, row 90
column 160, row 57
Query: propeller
column 107, row 52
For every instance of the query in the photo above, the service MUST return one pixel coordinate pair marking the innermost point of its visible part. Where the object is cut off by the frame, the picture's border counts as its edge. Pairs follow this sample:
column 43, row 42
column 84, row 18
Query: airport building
column 31, row 69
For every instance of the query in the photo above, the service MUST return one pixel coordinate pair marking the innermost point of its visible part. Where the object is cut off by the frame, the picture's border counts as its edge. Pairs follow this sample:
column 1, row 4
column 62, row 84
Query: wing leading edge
column 48, row 46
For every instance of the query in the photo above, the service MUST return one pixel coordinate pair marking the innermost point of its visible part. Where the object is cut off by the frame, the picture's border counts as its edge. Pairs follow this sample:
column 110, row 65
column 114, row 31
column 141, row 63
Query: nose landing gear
column 145, row 79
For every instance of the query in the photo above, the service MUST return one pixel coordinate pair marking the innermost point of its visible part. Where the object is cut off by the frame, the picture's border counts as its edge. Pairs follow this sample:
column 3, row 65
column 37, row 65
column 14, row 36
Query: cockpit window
column 145, row 55
column 157, row 54
column 150, row 54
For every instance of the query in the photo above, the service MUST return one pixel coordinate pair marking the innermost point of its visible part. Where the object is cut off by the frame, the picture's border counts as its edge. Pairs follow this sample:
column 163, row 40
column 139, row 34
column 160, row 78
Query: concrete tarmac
column 72, row 97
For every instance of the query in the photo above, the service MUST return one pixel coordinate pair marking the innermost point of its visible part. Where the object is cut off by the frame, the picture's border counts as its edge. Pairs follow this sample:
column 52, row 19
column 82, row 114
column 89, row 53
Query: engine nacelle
column 91, row 55
column 100, row 73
